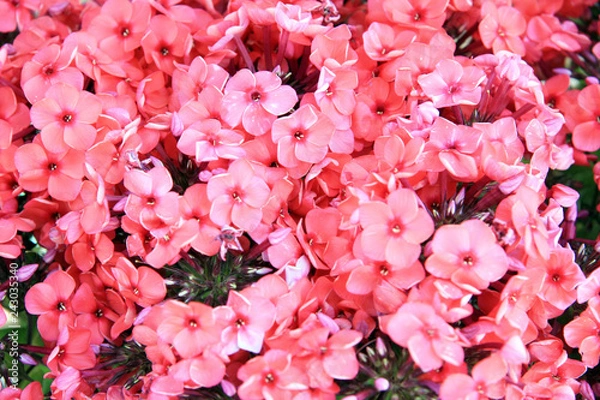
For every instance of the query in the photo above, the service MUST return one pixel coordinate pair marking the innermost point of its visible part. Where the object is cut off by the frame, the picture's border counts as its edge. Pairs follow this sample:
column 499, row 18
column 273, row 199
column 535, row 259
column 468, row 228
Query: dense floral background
column 295, row 200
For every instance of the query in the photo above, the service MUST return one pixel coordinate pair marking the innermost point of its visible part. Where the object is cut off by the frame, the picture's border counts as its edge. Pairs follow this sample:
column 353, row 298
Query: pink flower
column 191, row 328
column 393, row 231
column 51, row 300
column 151, row 202
column 271, row 376
column 248, row 318
column 486, row 381
column 208, row 141
column 238, row 196
column 14, row 116
column 48, row 66
column 452, row 84
column 429, row 339
column 66, row 118
column 255, row 100
column 166, row 42
column 582, row 333
column 303, row 137
column 59, row 173
column 467, row 254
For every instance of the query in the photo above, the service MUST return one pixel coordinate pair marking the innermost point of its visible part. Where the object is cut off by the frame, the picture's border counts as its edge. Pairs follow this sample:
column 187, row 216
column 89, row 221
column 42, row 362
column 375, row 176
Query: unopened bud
column 382, row 384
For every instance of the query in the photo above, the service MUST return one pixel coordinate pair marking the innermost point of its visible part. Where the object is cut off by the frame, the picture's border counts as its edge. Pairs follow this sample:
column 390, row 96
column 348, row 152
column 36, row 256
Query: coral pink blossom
column 562, row 277
column 208, row 141
column 142, row 285
column 165, row 43
column 422, row 14
column 65, row 117
column 151, row 202
column 48, row 66
column 586, row 135
column 255, row 100
column 189, row 327
column 330, row 357
column 248, row 318
column 486, row 381
column 271, row 376
column 429, row 339
column 72, row 350
column 59, row 173
column 467, row 254
column 120, row 26
column 394, row 230
column 302, row 137
column 502, row 28
column 238, row 196
column 14, row 116
column 51, row 300
column 452, row 84
column 582, row 333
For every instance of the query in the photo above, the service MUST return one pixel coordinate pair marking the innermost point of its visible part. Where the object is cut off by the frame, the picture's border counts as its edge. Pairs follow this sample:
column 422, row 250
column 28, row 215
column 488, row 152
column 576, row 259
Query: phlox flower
column 586, row 134
column 302, row 137
column 59, row 173
column 453, row 148
column 191, row 328
column 151, row 202
column 92, row 310
column 120, row 26
column 582, row 333
column 237, row 196
column 383, row 43
column 142, row 285
column 66, row 118
column 14, row 116
column 194, row 205
column 393, row 231
column 248, row 317
column 170, row 243
column 88, row 248
column 485, row 382
column 189, row 82
column 72, row 350
column 51, row 300
column 208, row 141
column 271, row 376
column 48, row 66
column 422, row 14
column 166, row 42
column 255, row 100
column 562, row 277
column 335, row 95
column 468, row 255
column 206, row 370
column 429, row 339
column 452, row 84
column 501, row 28
column 329, row 357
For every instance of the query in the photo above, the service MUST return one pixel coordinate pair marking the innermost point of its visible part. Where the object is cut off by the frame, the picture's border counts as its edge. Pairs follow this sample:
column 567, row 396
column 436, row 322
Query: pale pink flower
column 467, row 254
column 66, row 118
column 429, row 339
column 304, row 136
column 452, row 84
column 393, row 231
column 238, row 196
column 255, row 100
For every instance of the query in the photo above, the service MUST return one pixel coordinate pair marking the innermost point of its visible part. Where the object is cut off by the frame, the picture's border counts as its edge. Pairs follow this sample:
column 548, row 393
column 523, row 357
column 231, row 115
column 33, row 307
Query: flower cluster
column 303, row 199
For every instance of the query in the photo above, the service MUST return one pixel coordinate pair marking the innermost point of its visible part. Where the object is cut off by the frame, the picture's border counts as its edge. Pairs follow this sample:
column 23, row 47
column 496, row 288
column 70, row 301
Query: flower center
column 383, row 270
column 164, row 51
column 61, row 306
column 151, row 201
column 468, row 260
column 67, row 118
column 240, row 322
column 255, row 96
column 269, row 378
column 556, row 277
column 299, row 135
column 52, row 166
column 396, row 229
column 125, row 32
column 193, row 323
